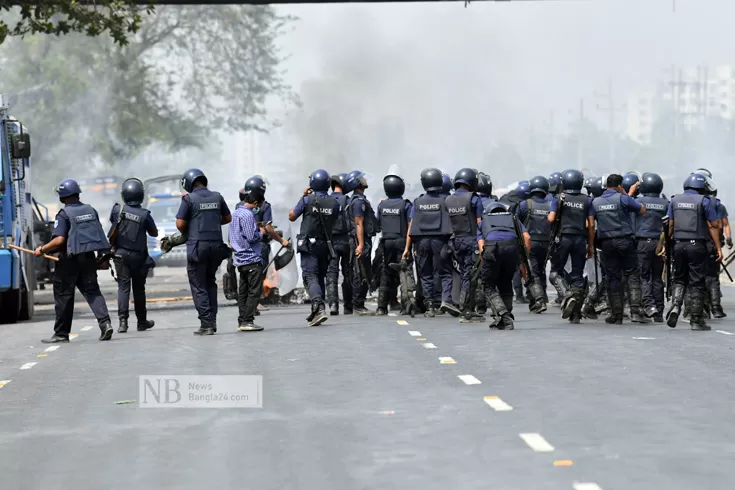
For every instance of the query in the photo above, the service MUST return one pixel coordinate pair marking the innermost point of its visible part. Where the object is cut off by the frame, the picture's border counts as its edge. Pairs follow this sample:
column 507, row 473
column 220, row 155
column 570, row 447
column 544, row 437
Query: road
column 375, row 403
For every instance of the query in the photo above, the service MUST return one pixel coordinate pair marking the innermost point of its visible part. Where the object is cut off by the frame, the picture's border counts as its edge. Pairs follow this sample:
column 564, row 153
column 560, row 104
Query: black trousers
column 691, row 264
column 652, row 269
column 345, row 254
column 132, row 271
column 249, row 291
column 392, row 252
column 203, row 260
column 77, row 272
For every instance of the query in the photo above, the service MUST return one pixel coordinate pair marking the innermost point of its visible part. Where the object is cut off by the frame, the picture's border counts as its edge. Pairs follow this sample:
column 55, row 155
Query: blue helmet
column 628, row 180
column 254, row 182
column 191, row 176
column 523, row 189
column 595, row 187
column 447, row 184
column 133, row 191
column 555, row 183
column 572, row 181
column 355, row 179
column 495, row 206
column 698, row 182
column 539, row 184
column 652, row 184
column 338, row 180
column 68, row 187
column 319, row 180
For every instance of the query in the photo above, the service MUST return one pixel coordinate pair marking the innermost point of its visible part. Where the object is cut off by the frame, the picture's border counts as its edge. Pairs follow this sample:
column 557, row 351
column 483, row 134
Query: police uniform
column 438, row 276
column 132, row 261
column 203, row 210
column 534, row 214
column 317, row 208
column 79, row 223
column 713, row 303
column 343, row 226
column 393, row 216
column 359, row 206
column 648, row 229
column 264, row 215
column 615, row 231
column 501, row 258
column 480, row 303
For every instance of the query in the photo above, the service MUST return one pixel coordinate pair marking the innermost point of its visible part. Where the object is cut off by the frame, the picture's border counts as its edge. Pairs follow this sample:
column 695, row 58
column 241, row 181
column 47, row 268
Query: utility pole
column 611, row 109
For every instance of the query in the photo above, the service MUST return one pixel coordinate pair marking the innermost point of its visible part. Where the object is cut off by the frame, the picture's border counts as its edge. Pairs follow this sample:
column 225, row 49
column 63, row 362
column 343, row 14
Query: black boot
column 576, row 314
column 677, row 298
column 716, row 300
column 696, row 321
column 616, row 308
column 503, row 317
column 687, row 304
column 319, row 317
column 146, row 324
column 205, row 330
column 123, row 328
column 314, row 309
column 106, row 330
column 55, row 339
column 636, row 304
column 334, row 309
column 382, row 303
column 588, row 309
column 538, row 298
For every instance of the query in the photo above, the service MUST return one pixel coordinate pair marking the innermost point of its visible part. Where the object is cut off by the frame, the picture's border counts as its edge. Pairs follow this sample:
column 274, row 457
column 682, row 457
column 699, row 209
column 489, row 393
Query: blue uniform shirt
column 358, row 207
column 626, row 202
column 150, row 224
column 184, row 208
column 709, row 211
column 266, row 213
column 62, row 223
column 499, row 236
column 554, row 207
column 476, row 202
column 429, row 194
column 721, row 210
column 298, row 210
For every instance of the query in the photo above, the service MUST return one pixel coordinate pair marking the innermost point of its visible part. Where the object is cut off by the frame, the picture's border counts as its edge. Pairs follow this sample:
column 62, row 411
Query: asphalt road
column 375, row 403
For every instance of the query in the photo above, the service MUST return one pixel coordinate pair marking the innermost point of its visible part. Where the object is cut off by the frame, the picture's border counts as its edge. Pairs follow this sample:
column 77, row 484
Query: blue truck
column 17, row 272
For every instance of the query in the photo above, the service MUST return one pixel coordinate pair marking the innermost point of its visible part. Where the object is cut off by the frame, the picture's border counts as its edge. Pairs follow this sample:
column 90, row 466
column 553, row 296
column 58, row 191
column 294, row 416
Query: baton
column 29, row 251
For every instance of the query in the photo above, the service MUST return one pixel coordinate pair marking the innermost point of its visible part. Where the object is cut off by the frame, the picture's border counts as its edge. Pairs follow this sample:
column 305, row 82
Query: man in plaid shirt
column 246, row 240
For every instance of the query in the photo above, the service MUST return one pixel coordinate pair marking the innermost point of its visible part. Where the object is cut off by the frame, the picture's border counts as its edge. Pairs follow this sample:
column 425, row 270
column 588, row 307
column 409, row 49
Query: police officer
column 692, row 221
column 497, row 238
column 615, row 232
column 201, row 216
column 465, row 212
column 648, row 229
column 366, row 227
column 77, row 235
column 597, row 291
column 447, row 185
column 725, row 238
column 341, row 241
column 264, row 215
column 576, row 239
column 320, row 213
column 430, row 229
column 514, row 199
column 555, row 186
column 534, row 214
column 446, row 191
column 629, row 180
column 132, row 262
column 485, row 191
column 394, row 216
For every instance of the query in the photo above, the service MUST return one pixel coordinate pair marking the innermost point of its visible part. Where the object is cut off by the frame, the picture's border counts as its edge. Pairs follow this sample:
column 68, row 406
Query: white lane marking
column 497, row 404
column 537, row 443
column 392, row 314
column 28, row 365
column 644, row 338
column 429, row 345
column 587, row 486
column 414, row 333
column 447, row 360
column 468, row 379
column 73, row 336
column 401, row 322
column 724, row 332
column 86, row 329
column 3, row 382
column 52, row 348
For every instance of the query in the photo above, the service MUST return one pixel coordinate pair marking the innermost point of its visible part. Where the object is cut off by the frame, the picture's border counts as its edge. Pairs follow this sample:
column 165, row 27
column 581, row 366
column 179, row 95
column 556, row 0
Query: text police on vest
column 391, row 211
column 685, row 205
column 660, row 207
column 132, row 217
column 428, row 207
column 578, row 205
column 607, row 207
column 85, row 217
column 208, row 205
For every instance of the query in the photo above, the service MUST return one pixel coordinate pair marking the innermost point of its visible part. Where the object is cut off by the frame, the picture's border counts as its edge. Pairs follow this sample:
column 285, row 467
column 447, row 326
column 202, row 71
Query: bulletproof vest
column 368, row 219
column 325, row 210
column 487, row 200
column 205, row 223
column 501, row 221
column 537, row 219
column 131, row 234
column 613, row 219
column 462, row 214
column 86, row 233
column 649, row 225
column 342, row 225
column 430, row 217
column 689, row 220
column 574, row 215
column 393, row 219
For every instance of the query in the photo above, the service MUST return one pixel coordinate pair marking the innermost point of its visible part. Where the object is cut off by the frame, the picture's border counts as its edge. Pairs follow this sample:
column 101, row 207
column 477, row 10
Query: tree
column 119, row 18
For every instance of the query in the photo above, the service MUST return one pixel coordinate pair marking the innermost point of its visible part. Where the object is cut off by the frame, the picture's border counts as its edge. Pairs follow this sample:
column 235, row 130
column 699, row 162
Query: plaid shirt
column 245, row 237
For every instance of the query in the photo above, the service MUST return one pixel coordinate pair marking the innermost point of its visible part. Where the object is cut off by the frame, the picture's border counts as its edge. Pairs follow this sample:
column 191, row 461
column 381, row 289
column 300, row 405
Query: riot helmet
column 496, row 206
column 132, row 192
column 394, row 186
column 484, row 185
column 572, row 181
column 431, row 179
column 629, row 179
column 254, row 182
column 354, row 180
column 697, row 182
column 190, row 177
column 447, row 185
column 468, row 177
column 319, row 180
column 522, row 191
column 555, row 183
column 539, row 184
column 595, row 188
column 68, row 187
column 652, row 184
column 338, row 180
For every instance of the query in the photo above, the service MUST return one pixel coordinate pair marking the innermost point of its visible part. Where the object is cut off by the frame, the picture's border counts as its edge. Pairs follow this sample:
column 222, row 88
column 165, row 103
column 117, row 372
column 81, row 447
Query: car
column 163, row 208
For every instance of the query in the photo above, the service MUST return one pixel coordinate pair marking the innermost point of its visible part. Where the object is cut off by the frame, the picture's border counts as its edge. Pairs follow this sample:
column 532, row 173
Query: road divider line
column 414, row 333
column 497, row 404
column 587, row 486
column 3, row 382
column 73, row 336
column 468, row 379
column 420, row 338
column 537, row 443
column 429, row 345
column 86, row 329
column 28, row 365
column 644, row 338
column 447, row 360
column 724, row 332
column 42, row 355
column 402, row 322
column 168, row 300
column 563, row 462
column 52, row 348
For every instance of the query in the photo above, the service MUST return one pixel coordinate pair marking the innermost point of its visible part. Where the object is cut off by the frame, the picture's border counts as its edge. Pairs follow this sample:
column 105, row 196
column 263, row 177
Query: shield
column 283, row 258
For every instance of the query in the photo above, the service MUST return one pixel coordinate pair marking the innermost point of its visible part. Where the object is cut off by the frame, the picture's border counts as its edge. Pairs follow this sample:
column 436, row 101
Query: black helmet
column 394, row 186
column 496, row 206
column 652, row 184
column 595, row 188
column 555, row 183
column 468, row 177
column 628, row 180
column 242, row 194
column 191, row 176
column 572, row 181
column 431, row 180
column 539, row 184
column 319, row 180
column 254, row 182
column 484, row 185
column 337, row 180
column 132, row 192
column 447, row 184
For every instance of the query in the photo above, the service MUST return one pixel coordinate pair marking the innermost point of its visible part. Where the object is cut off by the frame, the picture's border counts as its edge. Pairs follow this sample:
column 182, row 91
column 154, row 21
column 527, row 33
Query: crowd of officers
column 608, row 241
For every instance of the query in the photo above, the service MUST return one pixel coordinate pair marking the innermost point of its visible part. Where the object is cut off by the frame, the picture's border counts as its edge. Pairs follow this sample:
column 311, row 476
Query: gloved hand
column 729, row 242
column 171, row 241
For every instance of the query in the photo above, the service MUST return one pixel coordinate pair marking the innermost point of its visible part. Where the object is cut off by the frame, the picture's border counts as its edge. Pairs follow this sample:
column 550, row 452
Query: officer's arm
column 408, row 238
column 590, row 232
column 294, row 214
column 359, row 230
column 527, row 240
column 552, row 217
column 726, row 225
column 182, row 223
column 57, row 243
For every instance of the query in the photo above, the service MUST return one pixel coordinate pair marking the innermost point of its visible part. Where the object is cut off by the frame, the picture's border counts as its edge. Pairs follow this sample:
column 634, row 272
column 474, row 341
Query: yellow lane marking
column 402, row 322
column 564, row 462
column 42, row 355
column 3, row 382
column 421, row 338
column 447, row 360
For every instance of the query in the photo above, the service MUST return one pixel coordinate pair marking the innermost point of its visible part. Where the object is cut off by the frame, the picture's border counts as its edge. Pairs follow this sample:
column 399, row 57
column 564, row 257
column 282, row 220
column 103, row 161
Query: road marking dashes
column 429, row 345
column 447, row 360
column 51, row 349
column 42, row 355
column 587, row 486
column 468, row 379
column 414, row 333
column 537, row 443
column 73, row 336
column 421, row 338
column 28, row 365
column 3, row 382
column 644, row 338
column 402, row 322
column 724, row 332
column 86, row 329
column 564, row 462
column 497, row 404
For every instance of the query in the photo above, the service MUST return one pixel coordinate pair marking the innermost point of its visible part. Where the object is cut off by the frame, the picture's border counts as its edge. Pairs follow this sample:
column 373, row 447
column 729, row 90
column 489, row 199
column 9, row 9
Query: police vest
column 649, row 225
column 131, row 234
column 613, row 219
column 430, row 217
column 205, row 222
column 85, row 232
column 500, row 221
column 689, row 219
column 537, row 220
column 342, row 225
column 462, row 214
column 574, row 216
column 369, row 226
column 487, row 200
column 318, row 209
column 259, row 218
column 393, row 219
